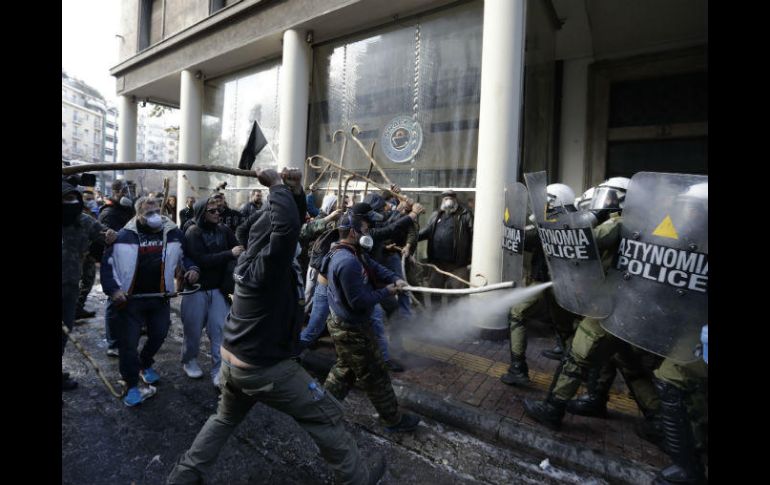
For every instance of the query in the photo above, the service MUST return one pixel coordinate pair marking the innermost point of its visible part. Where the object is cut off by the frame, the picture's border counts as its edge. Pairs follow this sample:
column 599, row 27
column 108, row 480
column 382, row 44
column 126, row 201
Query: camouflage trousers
column 593, row 348
column 359, row 359
column 87, row 278
column 563, row 321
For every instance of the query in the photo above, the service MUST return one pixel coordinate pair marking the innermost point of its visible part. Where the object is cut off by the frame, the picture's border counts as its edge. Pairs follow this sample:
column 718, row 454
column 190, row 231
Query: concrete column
column 502, row 70
column 191, row 111
column 126, row 130
column 294, row 95
column 572, row 145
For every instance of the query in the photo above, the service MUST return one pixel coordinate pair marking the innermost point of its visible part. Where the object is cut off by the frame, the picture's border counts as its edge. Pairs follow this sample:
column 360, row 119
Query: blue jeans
column 318, row 316
column 393, row 263
column 320, row 313
column 203, row 308
column 156, row 312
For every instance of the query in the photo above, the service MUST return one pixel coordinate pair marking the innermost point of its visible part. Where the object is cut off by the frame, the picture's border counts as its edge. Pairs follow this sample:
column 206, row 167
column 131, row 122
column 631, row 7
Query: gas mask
column 449, row 205
column 366, row 242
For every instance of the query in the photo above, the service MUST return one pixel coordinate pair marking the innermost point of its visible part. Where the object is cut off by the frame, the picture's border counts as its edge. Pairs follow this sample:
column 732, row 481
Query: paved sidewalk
column 469, row 371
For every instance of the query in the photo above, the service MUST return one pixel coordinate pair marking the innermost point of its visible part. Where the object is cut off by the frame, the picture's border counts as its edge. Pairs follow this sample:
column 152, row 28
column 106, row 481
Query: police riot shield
column 514, row 220
column 659, row 278
column 571, row 253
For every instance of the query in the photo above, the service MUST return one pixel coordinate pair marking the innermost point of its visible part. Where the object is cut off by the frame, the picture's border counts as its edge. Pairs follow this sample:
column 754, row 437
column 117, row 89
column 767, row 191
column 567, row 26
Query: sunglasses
column 213, row 211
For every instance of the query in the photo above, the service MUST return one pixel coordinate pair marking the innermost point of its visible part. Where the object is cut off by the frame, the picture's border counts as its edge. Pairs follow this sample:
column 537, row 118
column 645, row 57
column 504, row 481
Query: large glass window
column 428, row 71
column 232, row 103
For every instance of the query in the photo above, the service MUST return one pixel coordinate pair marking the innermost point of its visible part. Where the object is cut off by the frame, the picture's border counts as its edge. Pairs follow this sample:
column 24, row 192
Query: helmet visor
column 606, row 198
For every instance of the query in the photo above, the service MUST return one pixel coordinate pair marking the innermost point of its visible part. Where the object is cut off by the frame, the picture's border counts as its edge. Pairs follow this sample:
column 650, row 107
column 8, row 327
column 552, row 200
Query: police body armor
column 514, row 220
column 571, row 253
column 659, row 277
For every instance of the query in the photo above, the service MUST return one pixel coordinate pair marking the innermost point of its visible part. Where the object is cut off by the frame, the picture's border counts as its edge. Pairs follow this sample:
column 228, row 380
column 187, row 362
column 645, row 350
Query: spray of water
column 465, row 315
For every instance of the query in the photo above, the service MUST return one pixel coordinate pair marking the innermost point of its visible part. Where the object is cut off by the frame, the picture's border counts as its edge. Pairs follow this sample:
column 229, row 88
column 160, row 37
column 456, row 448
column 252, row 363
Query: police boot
column 556, row 353
column 650, row 429
column 594, row 403
column 678, row 439
column 549, row 412
column 518, row 372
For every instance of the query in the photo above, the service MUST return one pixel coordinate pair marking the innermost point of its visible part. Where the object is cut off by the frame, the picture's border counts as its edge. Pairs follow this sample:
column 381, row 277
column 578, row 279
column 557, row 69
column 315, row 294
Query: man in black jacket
column 187, row 213
column 449, row 233
column 212, row 246
column 230, row 218
column 254, row 204
column 260, row 346
column 114, row 214
column 119, row 209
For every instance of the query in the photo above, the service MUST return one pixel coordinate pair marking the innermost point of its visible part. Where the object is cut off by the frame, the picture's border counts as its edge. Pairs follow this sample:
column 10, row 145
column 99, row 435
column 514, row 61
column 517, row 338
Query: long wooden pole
column 194, row 167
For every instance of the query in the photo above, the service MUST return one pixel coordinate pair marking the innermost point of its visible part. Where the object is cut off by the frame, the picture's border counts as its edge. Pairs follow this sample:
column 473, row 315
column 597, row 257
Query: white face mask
column 154, row 221
column 126, row 202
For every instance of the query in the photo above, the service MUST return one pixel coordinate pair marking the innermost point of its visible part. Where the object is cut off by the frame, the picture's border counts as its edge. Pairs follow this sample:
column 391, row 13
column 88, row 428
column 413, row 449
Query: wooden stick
column 165, row 195
column 88, row 357
column 193, row 167
column 342, row 158
column 403, row 271
column 369, row 172
column 362, row 177
column 353, row 132
column 192, row 187
column 436, row 268
column 433, row 266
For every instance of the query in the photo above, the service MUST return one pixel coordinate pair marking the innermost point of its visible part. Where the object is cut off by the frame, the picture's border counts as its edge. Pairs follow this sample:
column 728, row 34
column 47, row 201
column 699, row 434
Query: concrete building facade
column 585, row 89
column 86, row 132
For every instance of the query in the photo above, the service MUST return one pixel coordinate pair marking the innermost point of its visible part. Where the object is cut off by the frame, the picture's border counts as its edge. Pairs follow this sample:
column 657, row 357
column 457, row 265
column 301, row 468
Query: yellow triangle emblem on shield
column 666, row 229
column 507, row 215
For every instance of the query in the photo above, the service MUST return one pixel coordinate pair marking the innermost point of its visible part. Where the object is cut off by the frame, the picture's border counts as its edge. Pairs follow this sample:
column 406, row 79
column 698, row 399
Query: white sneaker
column 193, row 370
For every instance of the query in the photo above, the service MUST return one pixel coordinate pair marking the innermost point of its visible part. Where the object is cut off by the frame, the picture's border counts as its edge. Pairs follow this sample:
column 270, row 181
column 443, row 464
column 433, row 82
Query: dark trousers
column 155, row 312
column 69, row 301
column 111, row 330
column 283, row 387
column 87, row 278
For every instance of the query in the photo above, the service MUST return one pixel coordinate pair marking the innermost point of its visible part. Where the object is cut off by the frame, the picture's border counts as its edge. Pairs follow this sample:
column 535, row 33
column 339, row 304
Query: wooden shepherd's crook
column 353, row 131
column 310, row 159
column 342, row 158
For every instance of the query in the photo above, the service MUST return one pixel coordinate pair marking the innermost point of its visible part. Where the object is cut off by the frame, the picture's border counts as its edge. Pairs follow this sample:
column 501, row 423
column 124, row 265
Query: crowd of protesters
column 252, row 279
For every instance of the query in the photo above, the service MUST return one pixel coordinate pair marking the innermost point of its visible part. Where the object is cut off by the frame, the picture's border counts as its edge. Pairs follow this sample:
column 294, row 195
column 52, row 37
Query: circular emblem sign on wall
column 401, row 139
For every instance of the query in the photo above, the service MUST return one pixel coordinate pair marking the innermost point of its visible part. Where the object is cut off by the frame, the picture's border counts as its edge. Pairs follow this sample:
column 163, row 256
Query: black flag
column 256, row 143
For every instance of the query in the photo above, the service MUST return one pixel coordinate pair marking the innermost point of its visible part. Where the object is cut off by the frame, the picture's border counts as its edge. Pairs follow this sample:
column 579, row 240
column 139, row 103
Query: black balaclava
column 70, row 212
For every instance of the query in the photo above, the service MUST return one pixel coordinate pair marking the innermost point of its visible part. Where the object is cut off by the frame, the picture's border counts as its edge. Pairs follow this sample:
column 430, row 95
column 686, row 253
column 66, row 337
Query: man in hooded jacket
column 213, row 248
